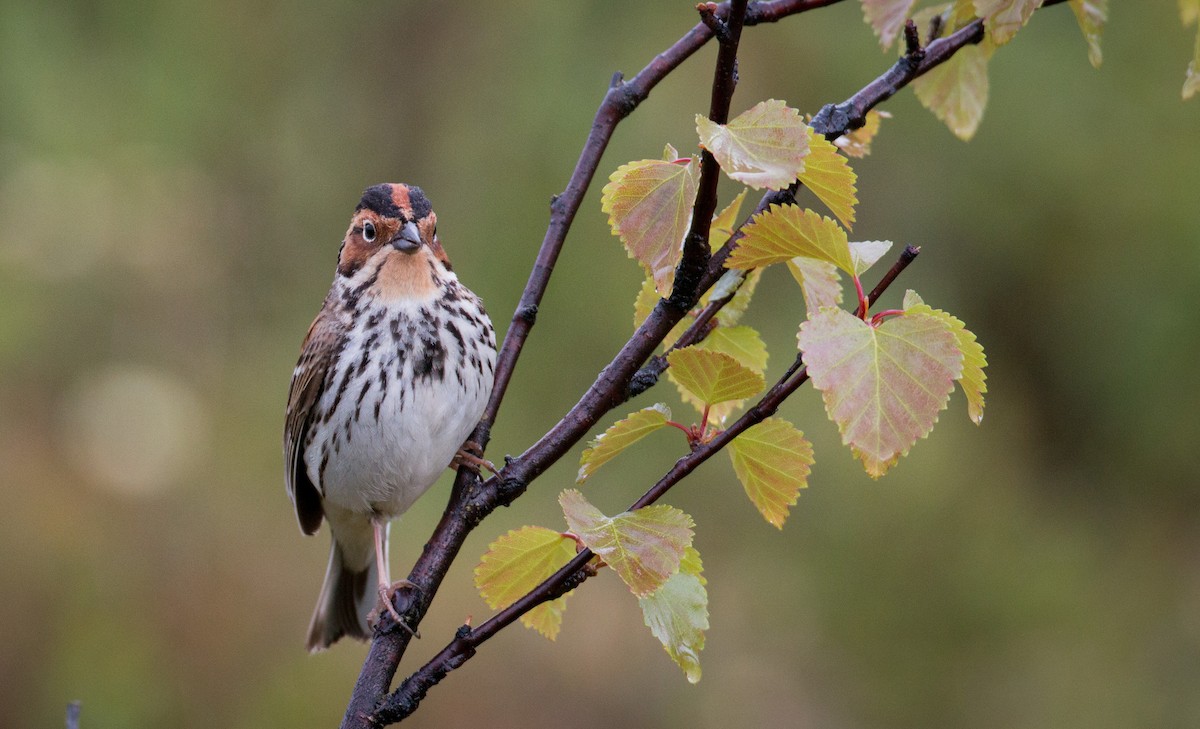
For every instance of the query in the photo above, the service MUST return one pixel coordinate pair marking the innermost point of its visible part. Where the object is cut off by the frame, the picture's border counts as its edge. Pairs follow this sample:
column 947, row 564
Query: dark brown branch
column 412, row 690
column 695, row 243
column 468, row 502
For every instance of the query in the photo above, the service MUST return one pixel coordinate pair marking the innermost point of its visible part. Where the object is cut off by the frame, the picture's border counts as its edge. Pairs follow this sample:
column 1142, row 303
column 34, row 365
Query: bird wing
column 317, row 355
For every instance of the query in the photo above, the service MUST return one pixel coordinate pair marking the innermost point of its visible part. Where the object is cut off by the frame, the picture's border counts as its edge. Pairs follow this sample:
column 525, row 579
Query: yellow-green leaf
column 520, row 561
column 957, row 91
column 883, row 385
column 732, row 312
column 858, row 142
column 725, row 222
column 677, row 614
column 783, row 232
column 829, row 176
column 973, row 381
column 764, row 146
column 865, row 253
column 649, row 205
column 772, row 460
column 818, row 280
column 645, row 302
column 643, row 547
column 1091, row 16
column 742, row 343
column 713, row 377
column 619, row 436
column 886, row 18
column 1003, row 18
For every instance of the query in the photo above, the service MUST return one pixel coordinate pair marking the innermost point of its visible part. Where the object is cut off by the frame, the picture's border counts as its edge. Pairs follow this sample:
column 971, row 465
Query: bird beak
column 408, row 239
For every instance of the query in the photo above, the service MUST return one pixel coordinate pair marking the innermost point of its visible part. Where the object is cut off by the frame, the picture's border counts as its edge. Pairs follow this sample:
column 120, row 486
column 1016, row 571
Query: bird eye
column 368, row 231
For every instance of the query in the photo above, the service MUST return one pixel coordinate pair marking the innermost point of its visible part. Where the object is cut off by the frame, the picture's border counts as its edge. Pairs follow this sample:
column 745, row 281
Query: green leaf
column 829, row 176
column 1091, row 16
column 713, row 377
column 643, row 547
column 772, row 460
column 818, row 280
column 866, row 253
column 1003, row 18
column 677, row 614
column 645, row 302
column 858, row 142
column 520, row 561
column 743, row 343
column 783, row 232
column 764, row 146
column 884, row 386
column 649, row 205
column 619, row 436
column 725, row 222
column 886, row 18
column 957, row 91
column 973, row 380
column 732, row 312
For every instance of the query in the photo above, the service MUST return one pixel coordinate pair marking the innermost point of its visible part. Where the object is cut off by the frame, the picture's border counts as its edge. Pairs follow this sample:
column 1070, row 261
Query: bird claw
column 386, row 595
column 470, row 457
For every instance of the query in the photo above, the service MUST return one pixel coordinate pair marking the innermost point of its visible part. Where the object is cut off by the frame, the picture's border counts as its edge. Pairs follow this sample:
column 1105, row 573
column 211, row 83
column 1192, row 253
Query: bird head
column 394, row 226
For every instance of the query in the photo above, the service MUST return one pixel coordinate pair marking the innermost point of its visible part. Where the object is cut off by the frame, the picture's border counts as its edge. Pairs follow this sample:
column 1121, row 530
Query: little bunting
column 393, row 376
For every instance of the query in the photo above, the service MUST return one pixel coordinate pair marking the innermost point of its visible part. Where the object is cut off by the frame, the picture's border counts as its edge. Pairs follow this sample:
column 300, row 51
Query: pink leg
column 387, row 588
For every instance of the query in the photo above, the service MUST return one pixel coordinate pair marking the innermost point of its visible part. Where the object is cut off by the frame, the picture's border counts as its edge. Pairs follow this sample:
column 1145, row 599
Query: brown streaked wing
column 316, row 356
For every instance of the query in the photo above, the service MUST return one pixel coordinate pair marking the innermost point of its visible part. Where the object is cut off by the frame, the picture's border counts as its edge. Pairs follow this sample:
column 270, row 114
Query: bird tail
column 347, row 597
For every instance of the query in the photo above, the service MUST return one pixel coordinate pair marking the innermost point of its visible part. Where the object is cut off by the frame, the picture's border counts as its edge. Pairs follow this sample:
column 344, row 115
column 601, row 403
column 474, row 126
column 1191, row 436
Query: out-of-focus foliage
column 174, row 181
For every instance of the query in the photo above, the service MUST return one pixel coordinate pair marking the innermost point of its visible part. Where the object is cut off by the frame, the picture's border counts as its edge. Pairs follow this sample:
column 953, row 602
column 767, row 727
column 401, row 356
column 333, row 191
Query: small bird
column 392, row 378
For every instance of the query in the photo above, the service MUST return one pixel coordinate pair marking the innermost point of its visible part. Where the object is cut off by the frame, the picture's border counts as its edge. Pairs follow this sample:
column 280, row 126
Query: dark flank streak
column 458, row 337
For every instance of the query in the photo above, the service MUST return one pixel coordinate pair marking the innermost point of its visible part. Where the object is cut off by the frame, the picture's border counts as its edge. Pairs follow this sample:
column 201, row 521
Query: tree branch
column 468, row 502
column 413, row 689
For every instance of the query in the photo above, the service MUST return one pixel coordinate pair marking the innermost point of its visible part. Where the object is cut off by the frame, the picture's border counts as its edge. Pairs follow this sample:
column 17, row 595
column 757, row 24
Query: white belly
column 384, row 458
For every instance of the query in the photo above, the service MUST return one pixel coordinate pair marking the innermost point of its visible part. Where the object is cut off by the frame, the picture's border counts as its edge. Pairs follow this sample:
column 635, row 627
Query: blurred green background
column 174, row 182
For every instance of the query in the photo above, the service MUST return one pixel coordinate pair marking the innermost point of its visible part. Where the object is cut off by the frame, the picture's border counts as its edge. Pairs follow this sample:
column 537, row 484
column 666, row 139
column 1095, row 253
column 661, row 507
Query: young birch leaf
column 619, row 436
column 649, row 205
column 973, row 380
column 743, row 343
column 643, row 547
column 772, row 460
column 713, row 377
column 884, row 386
column 677, row 614
column 645, row 302
column 1003, row 18
column 829, row 176
column 818, row 280
column 865, row 253
column 886, row 18
column 732, row 312
column 783, row 232
column 725, row 222
column 1091, row 16
column 858, row 142
column 518, row 562
column 764, row 146
column 957, row 91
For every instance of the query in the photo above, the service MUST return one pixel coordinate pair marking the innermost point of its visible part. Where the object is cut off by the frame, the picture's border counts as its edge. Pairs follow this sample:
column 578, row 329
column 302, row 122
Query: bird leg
column 387, row 588
column 470, row 456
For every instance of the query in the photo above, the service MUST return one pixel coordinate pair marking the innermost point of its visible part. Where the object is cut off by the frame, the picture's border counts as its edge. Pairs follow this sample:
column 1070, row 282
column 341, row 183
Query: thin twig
column 468, row 502
column 467, row 640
